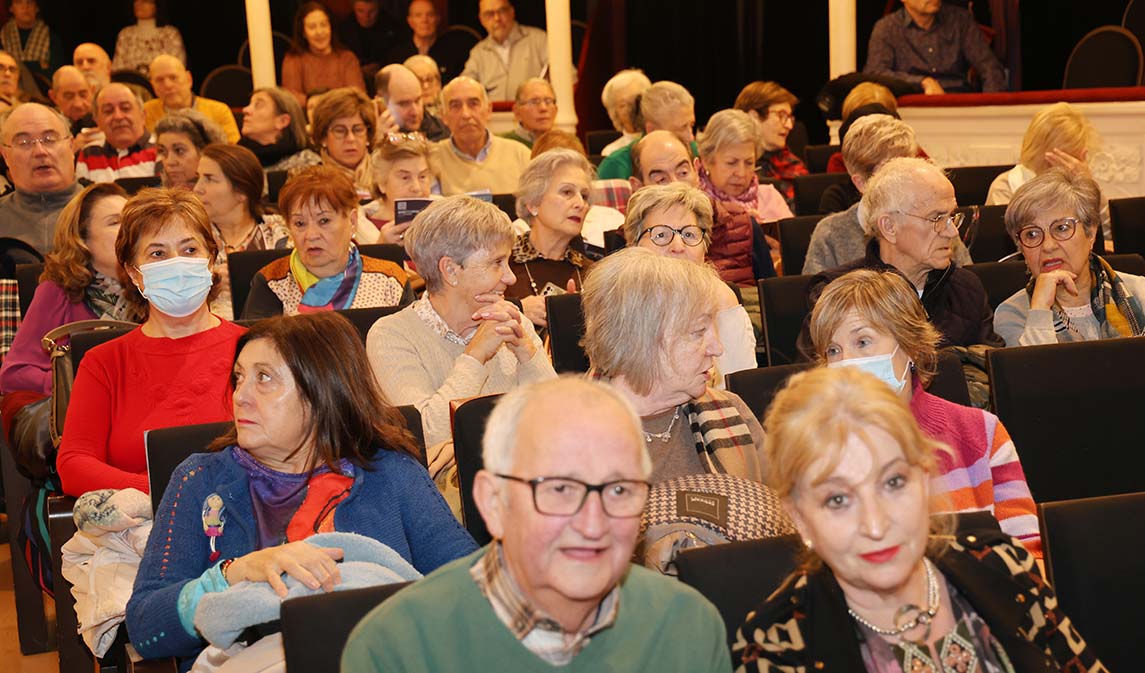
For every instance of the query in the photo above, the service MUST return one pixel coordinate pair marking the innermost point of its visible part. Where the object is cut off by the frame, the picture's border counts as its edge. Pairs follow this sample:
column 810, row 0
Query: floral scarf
column 362, row 176
column 1117, row 312
column 104, row 296
column 325, row 294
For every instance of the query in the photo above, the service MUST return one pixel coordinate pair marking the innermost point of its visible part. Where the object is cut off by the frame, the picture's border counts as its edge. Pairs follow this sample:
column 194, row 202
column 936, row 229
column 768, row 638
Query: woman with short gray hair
column 675, row 220
column 1073, row 294
column 462, row 338
column 553, row 198
column 619, row 96
column 650, row 330
column 180, row 137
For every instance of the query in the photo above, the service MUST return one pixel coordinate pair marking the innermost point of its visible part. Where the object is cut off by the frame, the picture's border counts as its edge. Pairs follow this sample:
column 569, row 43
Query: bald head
column 37, row 149
column 171, row 81
column 399, row 87
column 71, row 92
column 661, row 158
column 92, row 59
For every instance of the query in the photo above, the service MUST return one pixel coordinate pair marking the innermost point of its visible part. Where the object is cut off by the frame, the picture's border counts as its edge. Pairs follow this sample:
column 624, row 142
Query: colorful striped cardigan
column 982, row 471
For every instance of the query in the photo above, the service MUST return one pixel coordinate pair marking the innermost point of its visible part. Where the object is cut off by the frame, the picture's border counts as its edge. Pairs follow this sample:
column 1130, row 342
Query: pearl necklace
column 667, row 434
column 924, row 617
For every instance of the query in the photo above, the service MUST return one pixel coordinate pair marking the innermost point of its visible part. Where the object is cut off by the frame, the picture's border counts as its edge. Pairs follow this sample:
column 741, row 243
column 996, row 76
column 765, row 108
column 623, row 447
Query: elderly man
column 127, row 151
column 399, row 95
column 564, row 484
column 535, row 110
column 429, row 74
column 172, row 83
column 664, row 106
column 473, row 159
column 72, row 92
column 449, row 50
column 933, row 47
column 909, row 216
column 510, row 55
column 93, row 60
column 871, row 141
column 36, row 145
column 659, row 158
column 10, row 92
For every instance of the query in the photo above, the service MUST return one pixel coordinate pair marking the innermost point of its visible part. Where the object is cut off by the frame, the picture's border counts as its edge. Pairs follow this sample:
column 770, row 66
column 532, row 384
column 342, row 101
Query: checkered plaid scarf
column 37, row 49
column 722, row 437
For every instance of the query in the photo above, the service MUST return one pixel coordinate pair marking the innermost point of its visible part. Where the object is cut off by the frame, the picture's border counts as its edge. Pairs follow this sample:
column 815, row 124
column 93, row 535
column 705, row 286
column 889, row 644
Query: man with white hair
column 619, row 96
column 870, row 142
column 127, row 151
column 399, row 93
column 564, row 485
column 510, row 55
column 172, row 83
column 92, row 59
column 664, row 106
column 36, row 145
column 909, row 214
column 535, row 110
column 473, row 159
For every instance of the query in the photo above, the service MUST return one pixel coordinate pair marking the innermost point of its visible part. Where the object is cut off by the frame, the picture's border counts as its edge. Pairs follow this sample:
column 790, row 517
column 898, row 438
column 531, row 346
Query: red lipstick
column 881, row 556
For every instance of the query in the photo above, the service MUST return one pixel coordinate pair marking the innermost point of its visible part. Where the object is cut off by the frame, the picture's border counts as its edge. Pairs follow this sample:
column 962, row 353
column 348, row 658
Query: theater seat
column 315, row 628
column 468, row 431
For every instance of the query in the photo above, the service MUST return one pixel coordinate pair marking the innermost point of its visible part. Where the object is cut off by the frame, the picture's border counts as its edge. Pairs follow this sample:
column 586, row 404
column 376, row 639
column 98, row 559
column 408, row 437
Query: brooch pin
column 214, row 518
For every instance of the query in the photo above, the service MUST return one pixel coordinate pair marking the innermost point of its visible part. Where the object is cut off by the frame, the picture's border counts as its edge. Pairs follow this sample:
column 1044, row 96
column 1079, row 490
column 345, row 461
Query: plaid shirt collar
column 538, row 632
column 424, row 310
column 525, row 251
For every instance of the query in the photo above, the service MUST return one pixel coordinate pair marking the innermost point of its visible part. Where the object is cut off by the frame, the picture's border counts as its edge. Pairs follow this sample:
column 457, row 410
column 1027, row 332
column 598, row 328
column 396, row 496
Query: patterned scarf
column 362, row 176
column 721, row 435
column 1117, row 312
column 37, row 48
column 748, row 199
column 104, row 297
column 327, row 294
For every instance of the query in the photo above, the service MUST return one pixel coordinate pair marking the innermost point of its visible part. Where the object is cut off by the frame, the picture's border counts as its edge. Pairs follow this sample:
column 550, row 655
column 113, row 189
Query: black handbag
column 62, row 371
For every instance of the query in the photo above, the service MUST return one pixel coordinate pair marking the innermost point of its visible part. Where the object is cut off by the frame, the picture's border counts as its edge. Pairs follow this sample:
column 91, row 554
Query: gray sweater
column 1020, row 326
column 414, row 365
column 839, row 238
column 31, row 217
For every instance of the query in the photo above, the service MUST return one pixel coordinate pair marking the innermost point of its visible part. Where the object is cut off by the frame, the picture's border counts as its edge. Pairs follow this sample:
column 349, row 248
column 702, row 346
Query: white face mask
column 177, row 286
column 882, row 366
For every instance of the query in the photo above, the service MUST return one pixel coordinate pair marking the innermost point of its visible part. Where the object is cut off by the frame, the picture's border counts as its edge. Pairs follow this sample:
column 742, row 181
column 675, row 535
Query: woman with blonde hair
column 80, row 282
column 401, row 171
column 883, row 586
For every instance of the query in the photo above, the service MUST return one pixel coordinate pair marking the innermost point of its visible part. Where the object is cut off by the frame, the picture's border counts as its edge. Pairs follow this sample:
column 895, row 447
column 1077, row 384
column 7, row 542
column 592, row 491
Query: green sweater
column 444, row 624
column 618, row 165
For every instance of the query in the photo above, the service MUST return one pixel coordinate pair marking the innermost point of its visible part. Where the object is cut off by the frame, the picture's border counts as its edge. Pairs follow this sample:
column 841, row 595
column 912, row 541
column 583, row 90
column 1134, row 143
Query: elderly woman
column 878, row 590
column 909, row 215
column 770, row 106
column 325, row 271
column 274, row 128
column 1073, row 294
column 180, row 137
column 462, row 338
column 664, row 106
column 429, row 74
column 873, row 320
column 619, row 96
column 342, row 127
column 1059, row 136
column 316, row 60
column 173, row 369
column 553, row 198
column 872, row 141
column 314, row 448
column 676, row 221
column 230, row 187
column 80, row 282
column 401, row 171
column 650, row 329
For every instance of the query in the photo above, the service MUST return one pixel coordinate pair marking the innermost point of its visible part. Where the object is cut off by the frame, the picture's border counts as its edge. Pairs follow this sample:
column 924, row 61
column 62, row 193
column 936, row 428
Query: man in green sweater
column 564, row 484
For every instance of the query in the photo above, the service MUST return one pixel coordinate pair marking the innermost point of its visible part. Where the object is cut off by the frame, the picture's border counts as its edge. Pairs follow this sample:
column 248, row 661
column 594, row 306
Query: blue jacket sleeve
column 435, row 536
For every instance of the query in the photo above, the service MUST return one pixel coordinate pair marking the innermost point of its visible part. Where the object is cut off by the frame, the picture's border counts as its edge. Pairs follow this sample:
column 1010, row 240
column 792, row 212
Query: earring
column 533, row 213
column 807, row 543
column 453, row 282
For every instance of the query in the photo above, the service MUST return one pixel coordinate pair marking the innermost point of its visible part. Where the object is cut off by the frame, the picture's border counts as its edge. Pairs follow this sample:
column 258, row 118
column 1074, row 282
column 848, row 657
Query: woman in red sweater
column 172, row 370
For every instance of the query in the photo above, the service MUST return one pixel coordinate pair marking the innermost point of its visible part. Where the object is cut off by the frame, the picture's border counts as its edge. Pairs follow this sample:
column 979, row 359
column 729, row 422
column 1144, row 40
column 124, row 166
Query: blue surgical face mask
column 882, row 366
column 177, row 286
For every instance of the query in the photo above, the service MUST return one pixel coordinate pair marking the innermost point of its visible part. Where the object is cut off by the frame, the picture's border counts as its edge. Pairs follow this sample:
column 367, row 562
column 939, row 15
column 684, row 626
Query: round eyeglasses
column 939, row 222
column 562, row 496
column 662, row 235
column 1033, row 236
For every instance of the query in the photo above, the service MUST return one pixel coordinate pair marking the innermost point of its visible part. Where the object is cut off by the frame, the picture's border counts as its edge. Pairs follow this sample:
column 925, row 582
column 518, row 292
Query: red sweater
column 137, row 383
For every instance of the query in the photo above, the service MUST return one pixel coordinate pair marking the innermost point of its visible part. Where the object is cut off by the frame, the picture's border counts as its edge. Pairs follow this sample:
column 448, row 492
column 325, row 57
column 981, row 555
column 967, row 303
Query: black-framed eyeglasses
column 1032, row 236
column 939, row 222
column 662, row 235
column 783, row 116
column 562, row 496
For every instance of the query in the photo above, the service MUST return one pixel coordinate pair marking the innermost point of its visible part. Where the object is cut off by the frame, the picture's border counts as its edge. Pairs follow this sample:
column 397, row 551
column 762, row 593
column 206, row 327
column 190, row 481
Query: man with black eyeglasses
column 37, row 147
column 910, row 218
column 564, row 485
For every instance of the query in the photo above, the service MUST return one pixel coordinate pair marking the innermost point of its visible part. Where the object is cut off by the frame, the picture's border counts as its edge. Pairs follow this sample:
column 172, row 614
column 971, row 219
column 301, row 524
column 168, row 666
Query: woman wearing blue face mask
column 172, row 370
column 873, row 320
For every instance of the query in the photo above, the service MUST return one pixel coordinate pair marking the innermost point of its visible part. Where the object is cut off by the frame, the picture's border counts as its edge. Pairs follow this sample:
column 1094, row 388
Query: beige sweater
column 414, row 365
column 499, row 173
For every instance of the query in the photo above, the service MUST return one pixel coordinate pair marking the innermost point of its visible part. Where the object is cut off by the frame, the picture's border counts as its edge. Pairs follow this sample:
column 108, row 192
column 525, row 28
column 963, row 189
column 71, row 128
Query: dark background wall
column 712, row 47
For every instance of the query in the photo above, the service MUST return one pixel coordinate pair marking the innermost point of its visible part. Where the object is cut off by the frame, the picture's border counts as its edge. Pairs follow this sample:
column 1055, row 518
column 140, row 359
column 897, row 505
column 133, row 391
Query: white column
column 559, row 30
column 261, row 43
column 841, row 26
